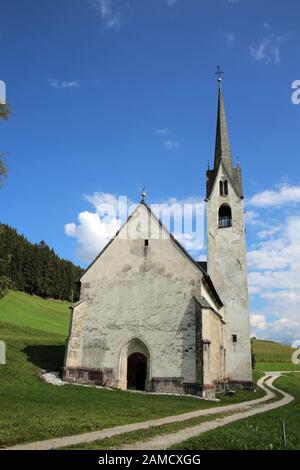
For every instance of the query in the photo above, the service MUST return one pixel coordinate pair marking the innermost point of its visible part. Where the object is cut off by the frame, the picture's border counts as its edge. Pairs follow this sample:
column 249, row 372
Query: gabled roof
column 234, row 176
column 208, row 280
column 204, row 304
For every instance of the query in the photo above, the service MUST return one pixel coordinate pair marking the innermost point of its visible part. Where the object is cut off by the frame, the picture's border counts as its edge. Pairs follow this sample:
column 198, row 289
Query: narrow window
column 225, row 216
column 226, row 188
column 146, row 242
column 221, row 188
column 234, row 338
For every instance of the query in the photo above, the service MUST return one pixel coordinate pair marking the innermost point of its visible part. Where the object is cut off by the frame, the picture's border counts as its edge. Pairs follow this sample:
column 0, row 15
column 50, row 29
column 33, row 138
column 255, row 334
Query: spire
column 222, row 149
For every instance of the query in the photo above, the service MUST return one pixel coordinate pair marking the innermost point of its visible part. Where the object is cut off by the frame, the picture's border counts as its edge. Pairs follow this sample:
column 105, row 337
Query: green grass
column 32, row 410
column 261, row 432
column 35, row 332
column 270, row 351
column 22, row 309
column 144, row 434
column 280, row 366
column 270, row 356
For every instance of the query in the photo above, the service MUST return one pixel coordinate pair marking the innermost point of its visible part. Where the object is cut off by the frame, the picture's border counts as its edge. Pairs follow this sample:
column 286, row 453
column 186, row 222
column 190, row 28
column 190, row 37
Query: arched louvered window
column 226, row 188
column 221, row 188
column 225, row 216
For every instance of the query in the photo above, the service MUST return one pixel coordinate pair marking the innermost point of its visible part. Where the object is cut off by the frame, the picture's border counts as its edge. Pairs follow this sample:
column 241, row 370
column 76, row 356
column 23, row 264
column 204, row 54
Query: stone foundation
column 104, row 377
column 245, row 384
column 166, row 385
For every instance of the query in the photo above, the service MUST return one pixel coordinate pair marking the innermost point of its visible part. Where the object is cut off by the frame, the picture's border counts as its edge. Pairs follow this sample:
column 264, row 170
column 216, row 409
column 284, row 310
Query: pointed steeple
column 222, row 149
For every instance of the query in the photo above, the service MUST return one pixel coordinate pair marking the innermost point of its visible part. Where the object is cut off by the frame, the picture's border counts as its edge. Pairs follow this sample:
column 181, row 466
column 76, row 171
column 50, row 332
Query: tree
column 4, row 114
column 36, row 268
column 6, row 285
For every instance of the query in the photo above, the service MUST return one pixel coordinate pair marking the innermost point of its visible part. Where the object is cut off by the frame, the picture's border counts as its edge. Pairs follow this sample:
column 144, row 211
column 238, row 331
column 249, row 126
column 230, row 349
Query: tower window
column 226, row 188
column 146, row 242
column 221, row 188
column 234, row 338
column 225, row 216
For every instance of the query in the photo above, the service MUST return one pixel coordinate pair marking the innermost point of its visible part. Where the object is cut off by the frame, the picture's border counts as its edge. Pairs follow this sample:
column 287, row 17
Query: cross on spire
column 219, row 73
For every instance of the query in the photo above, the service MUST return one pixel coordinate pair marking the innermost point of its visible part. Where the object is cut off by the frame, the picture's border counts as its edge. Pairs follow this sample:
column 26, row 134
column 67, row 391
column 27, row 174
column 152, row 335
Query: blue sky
column 110, row 95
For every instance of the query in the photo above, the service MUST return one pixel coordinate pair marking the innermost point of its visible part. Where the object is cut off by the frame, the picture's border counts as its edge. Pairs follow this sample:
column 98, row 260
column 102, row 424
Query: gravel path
column 162, row 442
column 167, row 440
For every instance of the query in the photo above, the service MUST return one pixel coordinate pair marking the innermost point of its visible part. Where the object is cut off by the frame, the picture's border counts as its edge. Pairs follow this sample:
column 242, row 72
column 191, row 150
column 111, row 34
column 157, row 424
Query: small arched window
column 225, row 216
column 221, row 188
column 226, row 188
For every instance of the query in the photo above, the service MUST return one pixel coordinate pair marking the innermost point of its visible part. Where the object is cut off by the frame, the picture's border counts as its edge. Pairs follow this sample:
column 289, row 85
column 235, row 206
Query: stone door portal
column 136, row 371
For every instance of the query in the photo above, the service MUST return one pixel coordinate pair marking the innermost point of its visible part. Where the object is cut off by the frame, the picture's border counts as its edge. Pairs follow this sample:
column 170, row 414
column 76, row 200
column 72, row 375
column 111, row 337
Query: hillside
column 35, row 268
column 20, row 309
column 270, row 351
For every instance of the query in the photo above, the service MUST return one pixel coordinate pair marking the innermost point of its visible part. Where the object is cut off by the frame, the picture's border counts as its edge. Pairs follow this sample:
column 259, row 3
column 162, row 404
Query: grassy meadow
column 260, row 432
column 35, row 332
column 271, row 356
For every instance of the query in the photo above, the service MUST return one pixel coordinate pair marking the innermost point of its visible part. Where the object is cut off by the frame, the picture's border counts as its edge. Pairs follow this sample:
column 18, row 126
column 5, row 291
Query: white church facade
column 152, row 318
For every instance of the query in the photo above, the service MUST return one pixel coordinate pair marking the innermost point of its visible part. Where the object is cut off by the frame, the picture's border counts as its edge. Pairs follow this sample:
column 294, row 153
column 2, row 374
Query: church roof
column 223, row 153
column 203, row 265
column 204, row 304
column 198, row 265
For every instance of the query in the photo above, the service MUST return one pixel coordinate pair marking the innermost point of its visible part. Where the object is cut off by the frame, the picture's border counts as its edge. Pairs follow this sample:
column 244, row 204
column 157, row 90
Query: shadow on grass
column 49, row 357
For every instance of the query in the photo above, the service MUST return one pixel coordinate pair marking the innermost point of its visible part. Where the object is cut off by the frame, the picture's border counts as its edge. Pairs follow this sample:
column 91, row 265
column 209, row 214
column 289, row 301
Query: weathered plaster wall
column 212, row 334
column 133, row 291
column 227, row 267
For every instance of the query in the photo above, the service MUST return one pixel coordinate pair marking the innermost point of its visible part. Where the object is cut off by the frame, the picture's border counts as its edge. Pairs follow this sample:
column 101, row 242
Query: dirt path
column 162, row 442
column 167, row 440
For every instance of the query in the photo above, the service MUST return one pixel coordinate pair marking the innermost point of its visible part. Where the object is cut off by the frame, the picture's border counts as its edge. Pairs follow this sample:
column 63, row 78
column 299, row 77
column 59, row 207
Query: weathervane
column 144, row 194
column 219, row 73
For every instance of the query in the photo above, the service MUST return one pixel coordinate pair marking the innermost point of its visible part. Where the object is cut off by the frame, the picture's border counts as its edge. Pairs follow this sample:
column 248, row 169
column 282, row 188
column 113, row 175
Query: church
column 150, row 317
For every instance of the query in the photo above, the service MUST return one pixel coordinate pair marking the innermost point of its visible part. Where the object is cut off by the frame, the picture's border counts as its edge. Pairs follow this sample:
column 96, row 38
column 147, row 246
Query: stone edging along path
column 244, row 410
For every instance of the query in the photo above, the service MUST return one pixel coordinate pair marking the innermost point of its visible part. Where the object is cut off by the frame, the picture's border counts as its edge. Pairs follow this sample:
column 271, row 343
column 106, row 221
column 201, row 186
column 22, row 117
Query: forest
column 35, row 268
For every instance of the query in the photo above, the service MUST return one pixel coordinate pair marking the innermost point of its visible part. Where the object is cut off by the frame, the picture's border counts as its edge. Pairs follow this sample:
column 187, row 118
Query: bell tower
column 226, row 249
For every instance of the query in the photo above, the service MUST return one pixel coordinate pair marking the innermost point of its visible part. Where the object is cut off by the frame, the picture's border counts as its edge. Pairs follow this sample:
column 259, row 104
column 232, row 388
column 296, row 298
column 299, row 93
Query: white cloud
column 281, row 329
column 252, row 218
column 171, row 145
column 92, row 233
column 269, row 232
column 274, row 265
column 258, row 321
column 282, row 195
column 171, row 3
column 163, row 131
column 54, row 83
column 267, row 50
column 94, row 229
column 230, row 38
column 110, row 12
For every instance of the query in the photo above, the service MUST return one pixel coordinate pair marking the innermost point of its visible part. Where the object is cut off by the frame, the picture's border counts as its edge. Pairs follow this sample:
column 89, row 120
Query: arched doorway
column 134, row 366
column 136, row 371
